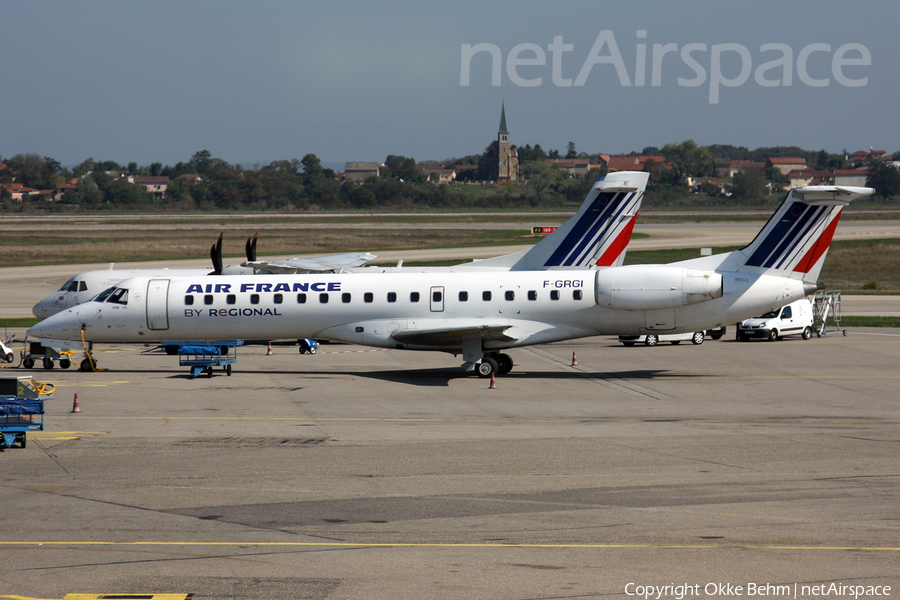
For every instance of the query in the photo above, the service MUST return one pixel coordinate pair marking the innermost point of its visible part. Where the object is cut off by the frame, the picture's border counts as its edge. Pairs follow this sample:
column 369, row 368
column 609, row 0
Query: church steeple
column 503, row 128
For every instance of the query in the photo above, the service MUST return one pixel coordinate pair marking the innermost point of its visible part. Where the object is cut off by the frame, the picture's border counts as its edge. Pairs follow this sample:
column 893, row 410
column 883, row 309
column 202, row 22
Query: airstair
column 827, row 304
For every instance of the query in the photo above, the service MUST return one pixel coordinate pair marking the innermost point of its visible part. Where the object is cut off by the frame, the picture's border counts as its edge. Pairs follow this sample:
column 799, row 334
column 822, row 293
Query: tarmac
column 364, row 474
column 721, row 470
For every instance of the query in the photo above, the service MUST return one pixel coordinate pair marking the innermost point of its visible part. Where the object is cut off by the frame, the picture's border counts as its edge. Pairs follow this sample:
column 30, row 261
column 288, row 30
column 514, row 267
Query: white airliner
column 596, row 236
column 478, row 315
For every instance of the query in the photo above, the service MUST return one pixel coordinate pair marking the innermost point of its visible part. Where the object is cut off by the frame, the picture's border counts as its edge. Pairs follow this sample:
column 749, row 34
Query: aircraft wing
column 323, row 264
column 453, row 336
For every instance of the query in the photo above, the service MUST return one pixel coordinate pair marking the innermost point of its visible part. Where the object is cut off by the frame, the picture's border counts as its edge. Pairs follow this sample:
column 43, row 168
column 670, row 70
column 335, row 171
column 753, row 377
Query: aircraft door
column 437, row 298
column 157, row 304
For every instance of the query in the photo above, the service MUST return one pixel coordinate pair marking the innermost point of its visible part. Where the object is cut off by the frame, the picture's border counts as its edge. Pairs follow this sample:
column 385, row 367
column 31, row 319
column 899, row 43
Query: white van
column 794, row 319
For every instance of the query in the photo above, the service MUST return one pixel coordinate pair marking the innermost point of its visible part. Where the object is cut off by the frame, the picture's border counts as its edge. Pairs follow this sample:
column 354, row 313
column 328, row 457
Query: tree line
column 305, row 184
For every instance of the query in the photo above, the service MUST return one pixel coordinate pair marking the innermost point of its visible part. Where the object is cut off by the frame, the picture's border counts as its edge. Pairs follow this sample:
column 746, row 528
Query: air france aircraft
column 478, row 315
column 597, row 235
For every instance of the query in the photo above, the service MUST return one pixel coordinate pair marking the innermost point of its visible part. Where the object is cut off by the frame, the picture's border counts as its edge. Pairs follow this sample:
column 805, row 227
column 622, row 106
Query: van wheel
column 773, row 335
column 807, row 333
column 651, row 340
column 698, row 338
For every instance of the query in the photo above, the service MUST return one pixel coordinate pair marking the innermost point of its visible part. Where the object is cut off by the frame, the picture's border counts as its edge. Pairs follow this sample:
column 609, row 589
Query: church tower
column 500, row 162
column 507, row 160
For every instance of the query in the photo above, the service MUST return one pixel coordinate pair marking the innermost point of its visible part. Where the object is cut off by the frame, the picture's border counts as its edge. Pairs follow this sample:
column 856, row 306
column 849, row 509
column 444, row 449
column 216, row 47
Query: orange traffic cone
column 493, row 385
column 76, row 408
column 269, row 351
column 574, row 360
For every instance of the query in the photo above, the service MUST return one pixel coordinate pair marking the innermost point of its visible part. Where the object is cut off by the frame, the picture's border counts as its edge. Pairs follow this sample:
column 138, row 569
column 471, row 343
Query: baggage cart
column 21, row 409
column 202, row 357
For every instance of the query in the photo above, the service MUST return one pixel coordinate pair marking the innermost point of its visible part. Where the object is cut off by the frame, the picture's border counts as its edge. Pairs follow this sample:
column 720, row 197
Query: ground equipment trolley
column 21, row 408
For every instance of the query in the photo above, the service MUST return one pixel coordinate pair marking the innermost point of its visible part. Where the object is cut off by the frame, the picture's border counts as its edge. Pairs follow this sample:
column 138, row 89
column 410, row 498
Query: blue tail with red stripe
column 596, row 236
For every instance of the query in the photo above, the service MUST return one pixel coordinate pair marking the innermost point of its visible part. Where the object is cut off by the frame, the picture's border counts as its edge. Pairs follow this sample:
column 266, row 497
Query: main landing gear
column 497, row 364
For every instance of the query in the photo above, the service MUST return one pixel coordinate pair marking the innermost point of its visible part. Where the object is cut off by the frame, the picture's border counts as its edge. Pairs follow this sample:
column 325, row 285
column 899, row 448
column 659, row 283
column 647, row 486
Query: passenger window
column 437, row 297
column 254, row 298
column 368, row 297
column 464, row 296
column 392, row 296
column 576, row 294
column 554, row 294
column 510, row 295
column 323, row 298
column 486, row 296
column 345, row 298
column 414, row 296
column 208, row 299
column 532, row 295
column 277, row 298
column 119, row 296
column 301, row 298
column 188, row 300
column 230, row 299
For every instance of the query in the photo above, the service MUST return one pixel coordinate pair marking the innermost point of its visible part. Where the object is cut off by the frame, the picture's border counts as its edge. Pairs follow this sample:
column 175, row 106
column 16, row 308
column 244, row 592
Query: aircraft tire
column 504, row 363
column 487, row 367
column 86, row 365
column 651, row 340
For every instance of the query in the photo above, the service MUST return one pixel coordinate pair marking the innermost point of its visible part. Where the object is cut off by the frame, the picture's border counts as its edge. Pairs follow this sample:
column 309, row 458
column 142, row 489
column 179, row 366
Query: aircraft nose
column 40, row 309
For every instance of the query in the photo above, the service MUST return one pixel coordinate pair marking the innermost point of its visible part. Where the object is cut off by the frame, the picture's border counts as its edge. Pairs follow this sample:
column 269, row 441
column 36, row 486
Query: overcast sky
column 254, row 82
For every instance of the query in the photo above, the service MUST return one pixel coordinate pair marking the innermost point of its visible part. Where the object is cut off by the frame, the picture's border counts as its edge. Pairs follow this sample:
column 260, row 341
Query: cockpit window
column 82, row 286
column 102, row 296
column 69, row 286
column 118, row 296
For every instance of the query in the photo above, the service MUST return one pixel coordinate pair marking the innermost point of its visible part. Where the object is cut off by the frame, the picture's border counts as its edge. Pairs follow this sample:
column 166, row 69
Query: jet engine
column 651, row 287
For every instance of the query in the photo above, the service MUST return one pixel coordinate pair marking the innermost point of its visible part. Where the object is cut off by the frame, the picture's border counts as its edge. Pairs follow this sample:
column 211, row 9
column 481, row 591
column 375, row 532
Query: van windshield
column 770, row 315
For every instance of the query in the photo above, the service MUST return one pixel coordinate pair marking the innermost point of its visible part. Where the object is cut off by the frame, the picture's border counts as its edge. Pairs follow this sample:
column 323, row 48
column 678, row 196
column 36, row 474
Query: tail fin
column 596, row 236
column 796, row 238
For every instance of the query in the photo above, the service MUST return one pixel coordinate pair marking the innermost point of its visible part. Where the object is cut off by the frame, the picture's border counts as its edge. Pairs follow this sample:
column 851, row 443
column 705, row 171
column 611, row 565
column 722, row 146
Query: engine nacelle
column 651, row 287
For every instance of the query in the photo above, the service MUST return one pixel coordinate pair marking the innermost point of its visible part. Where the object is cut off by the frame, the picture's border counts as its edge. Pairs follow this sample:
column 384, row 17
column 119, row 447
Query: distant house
column 60, row 191
column 710, row 187
column 722, row 166
column 18, row 191
column 744, row 166
column 786, row 164
column 152, row 185
column 575, row 167
column 360, row 171
column 851, row 177
column 859, row 158
column 189, row 177
column 624, row 163
column 799, row 178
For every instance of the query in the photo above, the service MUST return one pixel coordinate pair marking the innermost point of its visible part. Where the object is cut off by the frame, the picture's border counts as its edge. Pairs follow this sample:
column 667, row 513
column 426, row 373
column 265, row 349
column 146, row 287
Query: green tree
column 883, row 177
column 749, row 185
column 543, row 177
column 689, row 159
column 403, row 168
column 201, row 162
column 570, row 150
